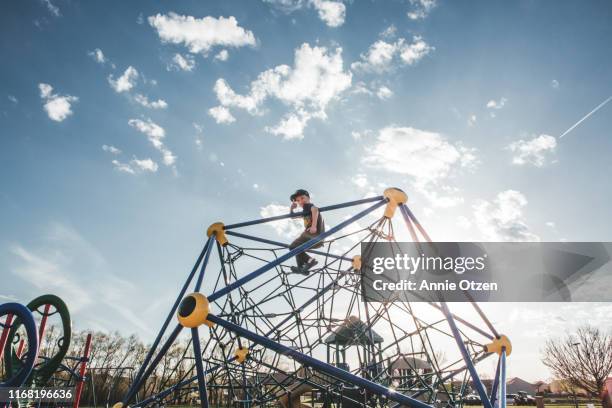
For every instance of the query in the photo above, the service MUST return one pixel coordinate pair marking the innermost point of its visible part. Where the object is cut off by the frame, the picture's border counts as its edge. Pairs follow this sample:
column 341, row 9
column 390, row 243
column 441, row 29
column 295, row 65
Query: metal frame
column 338, row 378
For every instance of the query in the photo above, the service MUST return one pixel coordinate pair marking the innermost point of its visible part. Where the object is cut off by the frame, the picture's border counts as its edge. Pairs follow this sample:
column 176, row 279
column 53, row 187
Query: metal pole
column 5, row 332
column 199, row 367
column 318, row 364
column 82, row 371
column 495, row 386
column 305, row 246
column 207, row 248
column 502, row 381
column 299, row 214
column 138, row 382
column 283, row 245
column 178, row 300
column 466, row 357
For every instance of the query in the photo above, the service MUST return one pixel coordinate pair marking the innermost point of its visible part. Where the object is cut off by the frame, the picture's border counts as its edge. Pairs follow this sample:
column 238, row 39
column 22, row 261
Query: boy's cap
column 300, row 192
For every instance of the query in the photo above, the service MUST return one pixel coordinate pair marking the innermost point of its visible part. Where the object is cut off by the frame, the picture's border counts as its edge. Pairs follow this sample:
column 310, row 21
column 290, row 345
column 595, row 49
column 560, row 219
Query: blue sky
column 126, row 128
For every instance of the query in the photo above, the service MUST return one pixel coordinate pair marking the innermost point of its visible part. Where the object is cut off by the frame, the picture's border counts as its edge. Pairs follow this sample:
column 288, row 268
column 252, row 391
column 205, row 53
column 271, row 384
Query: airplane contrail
column 601, row 105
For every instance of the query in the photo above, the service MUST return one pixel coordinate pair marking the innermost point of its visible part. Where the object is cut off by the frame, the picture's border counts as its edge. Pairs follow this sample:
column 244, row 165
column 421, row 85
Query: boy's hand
column 293, row 205
column 313, row 229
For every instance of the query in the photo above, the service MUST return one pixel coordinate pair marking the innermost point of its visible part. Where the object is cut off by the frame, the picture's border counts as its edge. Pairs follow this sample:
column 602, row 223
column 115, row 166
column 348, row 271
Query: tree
column 583, row 359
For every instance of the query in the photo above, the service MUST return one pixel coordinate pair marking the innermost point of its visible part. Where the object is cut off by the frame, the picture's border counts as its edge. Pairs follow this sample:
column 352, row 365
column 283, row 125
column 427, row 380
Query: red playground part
column 82, row 372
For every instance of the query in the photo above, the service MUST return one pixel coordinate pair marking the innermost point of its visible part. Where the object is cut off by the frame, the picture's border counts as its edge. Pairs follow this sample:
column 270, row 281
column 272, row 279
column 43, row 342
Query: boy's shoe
column 295, row 269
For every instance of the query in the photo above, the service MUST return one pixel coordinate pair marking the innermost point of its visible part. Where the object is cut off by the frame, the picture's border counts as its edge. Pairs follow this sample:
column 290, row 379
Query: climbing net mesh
column 406, row 347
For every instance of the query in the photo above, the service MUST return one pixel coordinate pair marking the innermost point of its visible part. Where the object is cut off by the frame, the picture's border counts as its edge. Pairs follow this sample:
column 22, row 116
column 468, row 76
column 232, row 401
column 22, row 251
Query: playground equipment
column 17, row 377
column 41, row 354
column 273, row 338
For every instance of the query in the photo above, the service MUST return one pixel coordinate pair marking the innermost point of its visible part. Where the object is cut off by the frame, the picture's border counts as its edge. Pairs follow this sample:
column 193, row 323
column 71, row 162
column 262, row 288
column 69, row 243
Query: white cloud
column 111, row 149
column 423, row 155
column 472, row 120
column 126, row 81
column 360, row 180
column 291, row 126
column 550, row 224
column 123, row 167
column 53, row 9
column 383, row 56
column 12, row 98
column 389, row 32
column 555, row 84
column 332, row 13
column 287, row 228
column 426, row 157
column 493, row 104
column 316, row 79
column 221, row 114
column 136, row 166
column 155, row 134
column 287, row 6
column 384, row 92
column 58, row 107
column 534, row 151
column 145, row 165
column 97, row 56
column 421, row 9
column 144, row 101
column 223, row 55
column 183, row 62
column 200, row 35
column 502, row 219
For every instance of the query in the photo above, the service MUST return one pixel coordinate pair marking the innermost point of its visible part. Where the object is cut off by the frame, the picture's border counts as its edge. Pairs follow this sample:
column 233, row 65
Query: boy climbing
column 313, row 224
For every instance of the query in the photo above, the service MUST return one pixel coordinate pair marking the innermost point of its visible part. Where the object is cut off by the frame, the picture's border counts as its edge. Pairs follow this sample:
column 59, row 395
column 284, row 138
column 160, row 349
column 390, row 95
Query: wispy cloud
column 68, row 265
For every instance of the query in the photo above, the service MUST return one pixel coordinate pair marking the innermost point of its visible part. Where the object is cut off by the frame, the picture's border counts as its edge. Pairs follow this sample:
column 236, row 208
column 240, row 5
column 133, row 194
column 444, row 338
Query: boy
column 313, row 224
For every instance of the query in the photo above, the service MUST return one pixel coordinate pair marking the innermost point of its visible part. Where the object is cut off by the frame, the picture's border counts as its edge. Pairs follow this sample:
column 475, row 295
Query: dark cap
column 300, row 192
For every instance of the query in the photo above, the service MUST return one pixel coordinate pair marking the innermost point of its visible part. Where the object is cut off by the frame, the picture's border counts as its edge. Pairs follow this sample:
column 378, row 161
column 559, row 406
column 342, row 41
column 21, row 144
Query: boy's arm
column 315, row 217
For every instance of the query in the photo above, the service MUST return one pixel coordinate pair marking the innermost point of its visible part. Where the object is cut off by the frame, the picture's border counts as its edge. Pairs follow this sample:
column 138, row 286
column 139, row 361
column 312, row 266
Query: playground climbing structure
column 263, row 336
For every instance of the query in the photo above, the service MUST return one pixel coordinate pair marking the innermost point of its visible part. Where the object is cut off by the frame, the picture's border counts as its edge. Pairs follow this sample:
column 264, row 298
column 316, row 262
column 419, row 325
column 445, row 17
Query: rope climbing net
column 267, row 336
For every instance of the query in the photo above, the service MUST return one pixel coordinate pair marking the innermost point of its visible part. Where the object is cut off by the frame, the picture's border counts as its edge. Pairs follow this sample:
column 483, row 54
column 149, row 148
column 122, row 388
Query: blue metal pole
column 137, row 383
column 415, row 221
column 149, row 355
column 319, row 365
column 494, row 387
column 283, row 245
column 502, row 380
column 197, row 351
column 305, row 246
column 299, row 214
column 208, row 248
column 482, row 392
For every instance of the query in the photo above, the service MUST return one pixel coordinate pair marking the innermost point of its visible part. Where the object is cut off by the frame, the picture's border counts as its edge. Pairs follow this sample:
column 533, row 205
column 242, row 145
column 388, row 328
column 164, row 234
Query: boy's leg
column 302, row 257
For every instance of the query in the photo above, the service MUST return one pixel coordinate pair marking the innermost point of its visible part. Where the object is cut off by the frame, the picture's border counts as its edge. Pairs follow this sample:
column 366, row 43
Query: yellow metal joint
column 218, row 230
column 498, row 344
column 193, row 311
column 241, row 354
column 395, row 197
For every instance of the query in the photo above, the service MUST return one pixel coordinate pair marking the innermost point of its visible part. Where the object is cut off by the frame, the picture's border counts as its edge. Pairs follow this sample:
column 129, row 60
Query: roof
column 404, row 362
column 353, row 332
